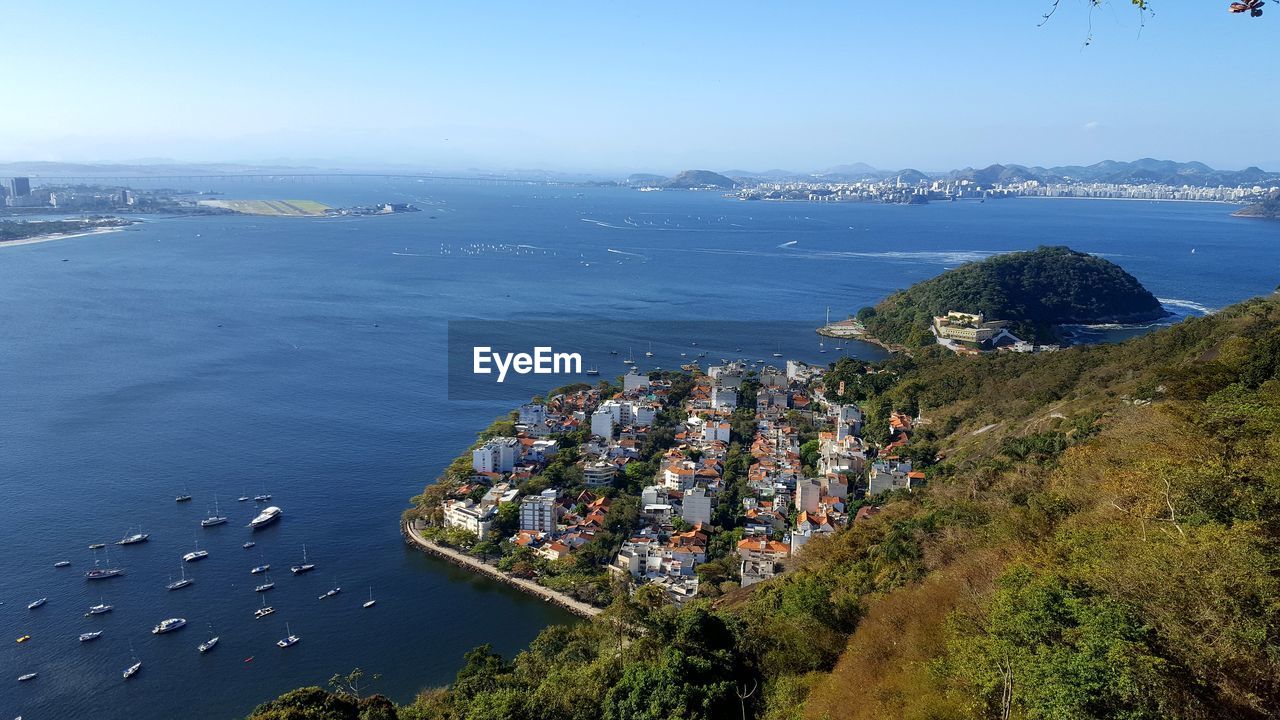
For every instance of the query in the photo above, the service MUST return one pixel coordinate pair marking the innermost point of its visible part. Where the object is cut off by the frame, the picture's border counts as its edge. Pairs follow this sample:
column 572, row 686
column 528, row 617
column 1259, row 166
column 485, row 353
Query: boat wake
column 789, row 243
column 604, row 224
column 409, row 254
column 628, row 254
column 1187, row 306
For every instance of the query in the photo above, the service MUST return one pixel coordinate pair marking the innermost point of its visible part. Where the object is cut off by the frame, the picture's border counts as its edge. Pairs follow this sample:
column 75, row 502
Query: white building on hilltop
column 497, row 455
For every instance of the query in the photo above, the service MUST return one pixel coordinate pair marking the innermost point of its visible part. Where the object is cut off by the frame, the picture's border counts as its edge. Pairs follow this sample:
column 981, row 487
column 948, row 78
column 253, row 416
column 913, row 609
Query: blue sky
column 652, row 86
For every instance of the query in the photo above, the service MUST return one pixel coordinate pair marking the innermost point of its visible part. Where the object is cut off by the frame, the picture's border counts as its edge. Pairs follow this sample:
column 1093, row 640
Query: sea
column 306, row 358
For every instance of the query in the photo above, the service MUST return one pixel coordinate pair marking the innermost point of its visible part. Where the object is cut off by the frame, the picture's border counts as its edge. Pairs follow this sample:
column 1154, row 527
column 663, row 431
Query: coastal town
column 691, row 484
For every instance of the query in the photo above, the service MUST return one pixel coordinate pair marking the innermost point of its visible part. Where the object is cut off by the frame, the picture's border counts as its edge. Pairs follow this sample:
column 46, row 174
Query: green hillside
column 1099, row 539
column 1036, row 291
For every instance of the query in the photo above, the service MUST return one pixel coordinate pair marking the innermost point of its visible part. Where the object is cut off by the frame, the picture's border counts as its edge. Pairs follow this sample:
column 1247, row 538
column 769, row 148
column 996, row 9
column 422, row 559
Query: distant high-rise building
column 19, row 187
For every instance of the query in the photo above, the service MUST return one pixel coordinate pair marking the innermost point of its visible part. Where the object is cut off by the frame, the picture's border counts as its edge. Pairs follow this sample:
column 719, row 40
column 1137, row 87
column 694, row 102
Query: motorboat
column 100, row 609
column 169, row 625
column 62, row 564
column 89, row 636
column 208, row 645
column 266, row 517
column 134, row 539
column 37, row 603
column 260, row 569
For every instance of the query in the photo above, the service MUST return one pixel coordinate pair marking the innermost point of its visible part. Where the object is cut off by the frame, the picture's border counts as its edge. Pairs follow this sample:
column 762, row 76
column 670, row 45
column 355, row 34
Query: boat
column 169, row 625
column 592, row 370
column 649, row 352
column 62, row 564
column 243, row 498
column 613, row 352
column 86, row 637
column 23, row 639
column 134, row 539
column 304, row 566
column 217, row 518
column 331, row 592
column 183, row 498
column 265, row 586
column 207, row 645
column 290, row 639
column 266, row 517
column 97, row 546
column 179, row 584
column 100, row 609
column 132, row 670
column 196, row 554
column 103, row 573
column 260, row 569
column 248, row 545
column 370, row 602
column 37, row 603
column 263, row 611
column 28, row 676
column 630, row 359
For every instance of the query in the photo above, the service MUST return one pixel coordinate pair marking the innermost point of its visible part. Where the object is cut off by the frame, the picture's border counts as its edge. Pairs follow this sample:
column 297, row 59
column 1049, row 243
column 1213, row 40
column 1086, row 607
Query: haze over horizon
column 611, row 89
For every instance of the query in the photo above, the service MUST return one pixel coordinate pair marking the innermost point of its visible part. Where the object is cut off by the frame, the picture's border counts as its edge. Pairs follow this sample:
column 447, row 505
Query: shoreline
column 465, row 561
column 58, row 236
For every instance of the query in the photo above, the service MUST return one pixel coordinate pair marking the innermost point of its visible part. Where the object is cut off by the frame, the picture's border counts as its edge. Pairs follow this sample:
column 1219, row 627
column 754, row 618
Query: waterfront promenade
column 461, row 559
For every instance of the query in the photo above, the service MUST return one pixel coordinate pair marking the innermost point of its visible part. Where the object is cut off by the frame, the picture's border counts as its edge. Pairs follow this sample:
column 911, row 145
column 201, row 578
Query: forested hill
column 1099, row 538
column 1036, row 291
column 1268, row 208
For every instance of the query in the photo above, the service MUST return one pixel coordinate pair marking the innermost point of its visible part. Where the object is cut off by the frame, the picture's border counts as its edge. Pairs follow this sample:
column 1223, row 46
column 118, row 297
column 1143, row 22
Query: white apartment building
column 538, row 512
column 696, row 507
column 496, row 455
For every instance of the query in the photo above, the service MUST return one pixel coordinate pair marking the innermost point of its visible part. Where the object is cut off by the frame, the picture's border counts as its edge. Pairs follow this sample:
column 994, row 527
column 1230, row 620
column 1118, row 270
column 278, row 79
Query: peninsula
column 23, row 232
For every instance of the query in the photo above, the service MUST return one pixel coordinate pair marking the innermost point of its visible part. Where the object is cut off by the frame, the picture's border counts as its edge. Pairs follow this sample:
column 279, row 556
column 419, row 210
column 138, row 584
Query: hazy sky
column 644, row 86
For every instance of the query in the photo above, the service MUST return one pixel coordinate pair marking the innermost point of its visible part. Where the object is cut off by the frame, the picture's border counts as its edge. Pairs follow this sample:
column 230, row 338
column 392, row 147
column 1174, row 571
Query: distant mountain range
column 1146, row 170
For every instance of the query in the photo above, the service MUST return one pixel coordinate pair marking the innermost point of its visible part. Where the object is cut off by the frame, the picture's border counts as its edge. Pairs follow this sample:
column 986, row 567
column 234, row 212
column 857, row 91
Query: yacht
column 207, row 645
column 248, row 545
column 133, row 669
column 263, row 611
column 262, row 498
column 265, row 586
column 649, row 352
column 304, row 566
column 100, row 609
column 196, row 554
column 266, row 517
column 370, row 602
column 89, row 636
column 243, row 498
column 28, row 676
column 331, row 592
column 134, row 539
column 290, row 640
column 23, row 639
column 260, row 569
column 179, row 584
column 217, row 518
column 183, row 498
column 103, row 573
column 97, row 546
column 169, row 625
column 62, row 564
column 592, row 370
column 630, row 358
column 37, row 603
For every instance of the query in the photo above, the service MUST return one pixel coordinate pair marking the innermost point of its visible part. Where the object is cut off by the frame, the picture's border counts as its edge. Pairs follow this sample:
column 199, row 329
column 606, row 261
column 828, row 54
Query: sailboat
column 184, row 497
column 263, row 611
column 649, row 352
column 196, row 554
column 90, row 636
column 217, row 518
column 98, row 573
column 179, row 584
column 265, row 586
column 28, row 676
column 290, row 639
column 133, row 539
column 135, row 667
column 370, row 602
column 264, row 496
column 630, row 359
column 593, row 370
column 100, row 609
column 304, row 566
column 207, row 645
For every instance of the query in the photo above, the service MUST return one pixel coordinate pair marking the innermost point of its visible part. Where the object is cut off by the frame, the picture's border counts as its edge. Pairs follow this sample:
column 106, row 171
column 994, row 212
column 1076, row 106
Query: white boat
column 290, row 639
column 196, row 554
column 28, row 676
column 370, row 602
column 134, row 539
column 649, row 352
column 266, row 517
column 100, row 609
column 265, row 586
column 207, row 645
column 263, row 611
column 62, row 564
column 86, row 637
column 248, row 545
column 132, row 670
column 103, row 573
column 330, row 593
column 37, row 603
column 630, row 360
column 304, row 566
column 169, row 625
column 260, row 569
column 217, row 518
column 179, row 584
column 243, row 498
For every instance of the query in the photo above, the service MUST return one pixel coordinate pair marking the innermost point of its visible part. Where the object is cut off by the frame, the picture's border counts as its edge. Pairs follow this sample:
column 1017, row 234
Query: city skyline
column 583, row 88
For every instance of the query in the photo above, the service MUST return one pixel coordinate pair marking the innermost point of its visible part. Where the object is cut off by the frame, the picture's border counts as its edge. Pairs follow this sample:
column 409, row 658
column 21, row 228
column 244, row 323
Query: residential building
column 497, row 455
column 469, row 516
column 696, row 506
column 538, row 512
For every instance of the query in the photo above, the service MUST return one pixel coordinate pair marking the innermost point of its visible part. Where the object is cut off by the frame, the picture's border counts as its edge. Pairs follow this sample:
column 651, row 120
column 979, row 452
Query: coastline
column 58, row 236
column 577, row 607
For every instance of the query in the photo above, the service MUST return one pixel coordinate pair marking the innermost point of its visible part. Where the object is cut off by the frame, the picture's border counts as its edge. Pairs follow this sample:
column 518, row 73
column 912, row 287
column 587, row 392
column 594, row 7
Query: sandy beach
column 57, row 236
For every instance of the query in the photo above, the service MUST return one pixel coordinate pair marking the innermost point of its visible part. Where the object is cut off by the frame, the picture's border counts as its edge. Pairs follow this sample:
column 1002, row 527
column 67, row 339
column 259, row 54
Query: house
column 469, row 516
column 538, row 512
column 696, row 507
column 760, row 559
column 889, row 474
column 496, row 455
column 598, row 473
column 808, row 494
column 966, row 327
column 533, row 414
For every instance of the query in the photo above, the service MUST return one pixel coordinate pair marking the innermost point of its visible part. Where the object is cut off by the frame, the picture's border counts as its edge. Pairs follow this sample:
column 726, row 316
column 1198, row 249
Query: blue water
column 306, row 357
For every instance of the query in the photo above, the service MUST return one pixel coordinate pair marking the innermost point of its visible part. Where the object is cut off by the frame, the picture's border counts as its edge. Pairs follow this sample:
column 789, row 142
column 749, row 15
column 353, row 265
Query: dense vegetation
column 1268, row 208
column 24, row 229
column 1098, row 540
column 1036, row 291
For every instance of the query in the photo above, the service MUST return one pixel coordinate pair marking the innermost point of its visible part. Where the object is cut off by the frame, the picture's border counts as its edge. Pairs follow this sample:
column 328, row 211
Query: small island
column 1027, row 295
